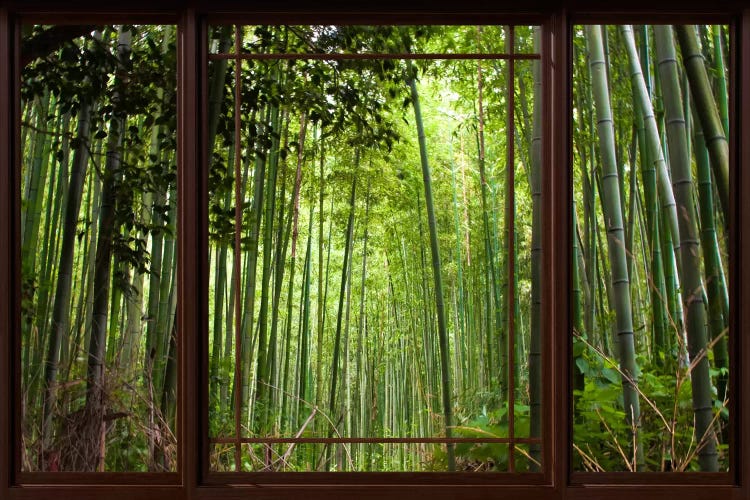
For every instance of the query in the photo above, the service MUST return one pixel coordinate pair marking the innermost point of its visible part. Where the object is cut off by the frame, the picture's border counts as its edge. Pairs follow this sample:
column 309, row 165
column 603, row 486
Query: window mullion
column 8, row 228
column 192, row 236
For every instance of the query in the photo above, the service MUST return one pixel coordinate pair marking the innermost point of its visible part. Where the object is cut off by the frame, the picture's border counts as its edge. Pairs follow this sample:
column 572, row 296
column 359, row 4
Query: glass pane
column 649, row 294
column 373, row 303
column 98, row 249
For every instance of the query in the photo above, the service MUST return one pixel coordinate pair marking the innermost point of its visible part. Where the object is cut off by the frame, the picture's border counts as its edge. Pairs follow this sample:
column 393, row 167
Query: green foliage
column 667, row 431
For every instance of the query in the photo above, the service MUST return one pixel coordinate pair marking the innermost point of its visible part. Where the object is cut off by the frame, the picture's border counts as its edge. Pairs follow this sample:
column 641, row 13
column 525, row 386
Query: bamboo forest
column 374, row 248
column 650, row 307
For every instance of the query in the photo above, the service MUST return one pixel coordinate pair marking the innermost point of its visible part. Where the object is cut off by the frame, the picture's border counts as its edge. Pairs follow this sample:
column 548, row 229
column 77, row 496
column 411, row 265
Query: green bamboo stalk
column 590, row 213
column 61, row 311
column 631, row 215
column 656, row 272
column 360, row 383
column 217, row 354
column 225, row 397
column 78, row 256
column 345, row 365
column 589, row 246
column 154, row 285
column 325, row 296
column 216, row 91
column 718, row 298
column 577, row 308
column 690, row 276
column 263, row 377
column 115, row 302
column 720, row 72
column 708, row 111
column 605, row 283
column 332, row 408
column 427, row 326
column 35, row 187
column 279, row 258
column 94, row 407
column 435, row 250
column 56, row 194
column 135, row 302
column 161, row 342
column 95, row 210
column 490, row 250
column 656, row 154
column 460, row 294
column 293, row 224
column 304, row 341
column 320, row 302
column 672, row 287
column 610, row 196
column 248, row 309
column 280, row 250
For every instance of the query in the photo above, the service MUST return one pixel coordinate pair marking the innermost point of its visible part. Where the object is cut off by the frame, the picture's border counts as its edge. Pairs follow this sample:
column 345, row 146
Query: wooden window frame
column 192, row 480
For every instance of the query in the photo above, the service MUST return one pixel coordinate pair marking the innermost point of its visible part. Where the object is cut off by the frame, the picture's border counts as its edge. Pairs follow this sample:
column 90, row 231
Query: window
column 669, row 331
column 247, row 184
column 398, row 381
column 98, row 275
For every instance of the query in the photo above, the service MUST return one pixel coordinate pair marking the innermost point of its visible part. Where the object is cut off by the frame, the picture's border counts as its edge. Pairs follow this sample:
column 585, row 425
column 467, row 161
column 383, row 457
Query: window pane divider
column 323, row 440
column 367, row 56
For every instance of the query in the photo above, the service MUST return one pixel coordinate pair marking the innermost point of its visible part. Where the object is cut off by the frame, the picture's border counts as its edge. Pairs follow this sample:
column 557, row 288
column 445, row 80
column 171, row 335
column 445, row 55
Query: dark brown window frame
column 192, row 480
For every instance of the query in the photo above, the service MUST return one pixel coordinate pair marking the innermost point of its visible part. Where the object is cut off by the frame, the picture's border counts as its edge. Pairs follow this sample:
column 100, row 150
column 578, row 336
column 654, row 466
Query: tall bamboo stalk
column 718, row 298
column 435, row 251
column 61, row 312
column 95, row 393
column 611, row 209
column 705, row 105
column 690, row 276
column 332, row 408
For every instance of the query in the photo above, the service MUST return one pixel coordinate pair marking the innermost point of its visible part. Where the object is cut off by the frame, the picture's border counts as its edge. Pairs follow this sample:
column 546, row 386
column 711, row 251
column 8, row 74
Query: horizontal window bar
column 372, row 440
column 335, row 57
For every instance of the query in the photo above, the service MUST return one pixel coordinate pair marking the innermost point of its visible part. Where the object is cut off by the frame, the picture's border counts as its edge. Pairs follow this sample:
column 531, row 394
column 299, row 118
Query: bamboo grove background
column 361, row 235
